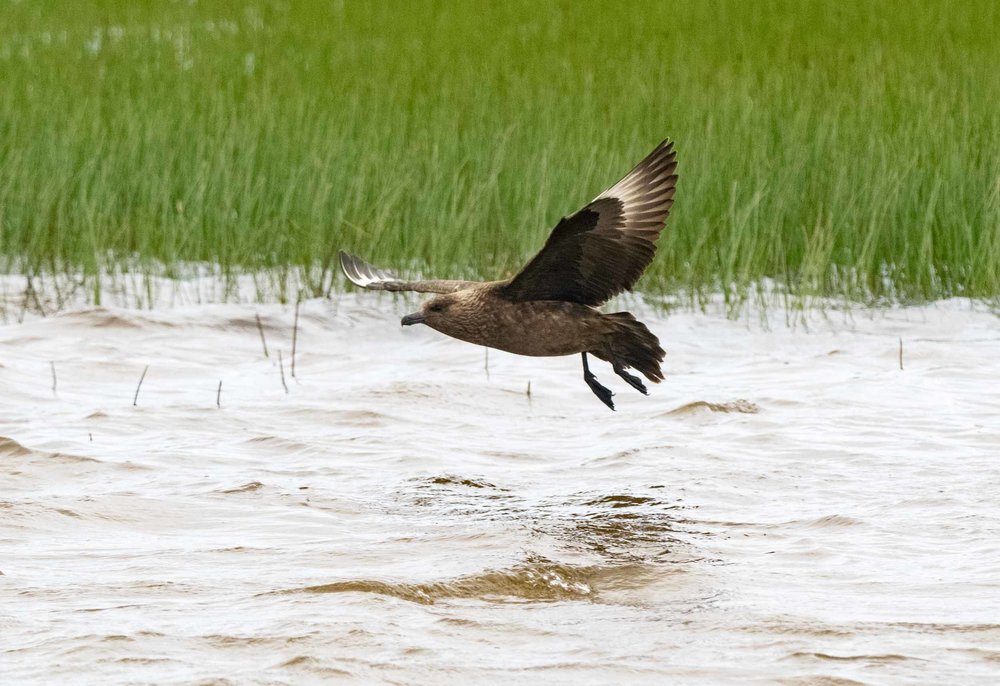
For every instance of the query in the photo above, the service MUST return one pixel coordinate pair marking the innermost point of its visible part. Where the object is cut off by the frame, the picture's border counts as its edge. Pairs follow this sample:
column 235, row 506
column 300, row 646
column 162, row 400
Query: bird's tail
column 633, row 345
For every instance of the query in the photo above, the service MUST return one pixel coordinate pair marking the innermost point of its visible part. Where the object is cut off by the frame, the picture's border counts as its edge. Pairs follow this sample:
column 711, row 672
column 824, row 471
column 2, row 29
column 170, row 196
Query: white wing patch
column 646, row 193
column 365, row 275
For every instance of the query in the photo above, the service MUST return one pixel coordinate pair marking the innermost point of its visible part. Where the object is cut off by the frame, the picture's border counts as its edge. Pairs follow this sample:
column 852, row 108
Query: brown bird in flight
column 550, row 307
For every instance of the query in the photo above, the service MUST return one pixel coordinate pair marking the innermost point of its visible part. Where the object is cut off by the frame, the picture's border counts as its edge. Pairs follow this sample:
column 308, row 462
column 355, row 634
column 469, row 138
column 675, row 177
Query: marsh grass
column 849, row 149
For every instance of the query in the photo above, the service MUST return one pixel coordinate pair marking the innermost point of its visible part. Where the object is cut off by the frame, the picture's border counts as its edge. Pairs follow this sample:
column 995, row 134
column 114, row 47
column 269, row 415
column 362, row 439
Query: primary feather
column 603, row 249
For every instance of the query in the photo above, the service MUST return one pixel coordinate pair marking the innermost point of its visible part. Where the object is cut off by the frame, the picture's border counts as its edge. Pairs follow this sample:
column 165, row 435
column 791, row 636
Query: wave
column 875, row 659
column 536, row 579
column 245, row 488
column 739, row 406
column 11, row 448
column 449, row 480
column 104, row 318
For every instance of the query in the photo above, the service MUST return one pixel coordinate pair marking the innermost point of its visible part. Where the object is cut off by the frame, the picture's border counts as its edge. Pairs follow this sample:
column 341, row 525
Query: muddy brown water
column 789, row 506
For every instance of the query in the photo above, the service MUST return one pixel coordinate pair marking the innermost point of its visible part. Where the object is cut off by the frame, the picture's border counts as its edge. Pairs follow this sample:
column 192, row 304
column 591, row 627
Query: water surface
column 789, row 506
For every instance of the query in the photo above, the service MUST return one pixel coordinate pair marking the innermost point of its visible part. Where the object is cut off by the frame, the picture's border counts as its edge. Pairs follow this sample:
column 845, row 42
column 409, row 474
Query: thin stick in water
column 260, row 329
column 295, row 331
column 135, row 400
column 218, row 395
column 281, row 366
column 529, row 389
column 53, row 366
column 486, row 363
column 901, row 353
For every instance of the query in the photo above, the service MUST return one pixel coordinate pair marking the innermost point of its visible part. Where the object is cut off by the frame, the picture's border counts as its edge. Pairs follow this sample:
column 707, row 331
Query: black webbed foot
column 602, row 392
column 632, row 380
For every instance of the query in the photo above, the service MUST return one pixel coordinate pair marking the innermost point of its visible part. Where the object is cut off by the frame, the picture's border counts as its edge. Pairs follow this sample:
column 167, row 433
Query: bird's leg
column 633, row 381
column 604, row 394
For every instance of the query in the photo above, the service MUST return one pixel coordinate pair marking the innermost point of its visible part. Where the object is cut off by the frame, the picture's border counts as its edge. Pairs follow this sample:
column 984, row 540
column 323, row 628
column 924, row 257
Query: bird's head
column 431, row 312
column 444, row 313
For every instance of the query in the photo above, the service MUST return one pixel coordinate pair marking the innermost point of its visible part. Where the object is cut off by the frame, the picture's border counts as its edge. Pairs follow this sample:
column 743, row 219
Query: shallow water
column 789, row 506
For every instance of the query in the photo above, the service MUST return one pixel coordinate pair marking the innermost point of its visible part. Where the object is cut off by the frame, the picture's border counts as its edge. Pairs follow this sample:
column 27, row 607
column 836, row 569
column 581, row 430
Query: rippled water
column 788, row 506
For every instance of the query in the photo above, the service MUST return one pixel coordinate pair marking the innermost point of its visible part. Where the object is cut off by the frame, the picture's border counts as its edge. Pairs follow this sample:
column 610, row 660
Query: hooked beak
column 415, row 318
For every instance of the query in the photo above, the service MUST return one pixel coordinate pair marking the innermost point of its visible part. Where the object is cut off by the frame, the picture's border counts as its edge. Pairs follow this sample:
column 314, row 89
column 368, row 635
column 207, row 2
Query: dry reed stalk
column 295, row 331
column 135, row 399
column 281, row 366
column 260, row 330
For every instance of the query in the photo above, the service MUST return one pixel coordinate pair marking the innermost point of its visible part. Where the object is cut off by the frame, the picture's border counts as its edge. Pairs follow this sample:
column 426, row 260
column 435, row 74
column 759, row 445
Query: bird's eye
column 436, row 307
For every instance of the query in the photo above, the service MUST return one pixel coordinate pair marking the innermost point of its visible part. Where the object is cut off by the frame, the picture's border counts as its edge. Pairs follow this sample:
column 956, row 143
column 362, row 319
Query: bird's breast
column 539, row 329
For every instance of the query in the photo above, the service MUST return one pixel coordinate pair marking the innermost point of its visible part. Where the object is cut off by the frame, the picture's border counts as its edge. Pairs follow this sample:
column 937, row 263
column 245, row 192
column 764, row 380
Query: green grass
column 844, row 148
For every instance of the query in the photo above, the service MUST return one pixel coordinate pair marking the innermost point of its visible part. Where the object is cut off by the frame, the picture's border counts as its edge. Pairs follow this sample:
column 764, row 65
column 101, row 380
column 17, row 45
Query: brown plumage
column 550, row 307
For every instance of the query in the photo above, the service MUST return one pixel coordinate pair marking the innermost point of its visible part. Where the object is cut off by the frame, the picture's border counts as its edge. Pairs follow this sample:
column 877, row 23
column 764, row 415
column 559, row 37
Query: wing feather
column 604, row 248
column 365, row 275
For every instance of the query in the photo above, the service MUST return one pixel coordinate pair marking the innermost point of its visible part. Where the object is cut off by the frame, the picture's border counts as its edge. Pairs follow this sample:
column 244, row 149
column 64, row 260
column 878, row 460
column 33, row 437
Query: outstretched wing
column 603, row 249
column 367, row 276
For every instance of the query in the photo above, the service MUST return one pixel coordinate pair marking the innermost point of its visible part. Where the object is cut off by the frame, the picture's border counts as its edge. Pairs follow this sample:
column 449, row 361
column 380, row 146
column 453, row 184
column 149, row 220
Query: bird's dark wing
column 360, row 273
column 603, row 249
